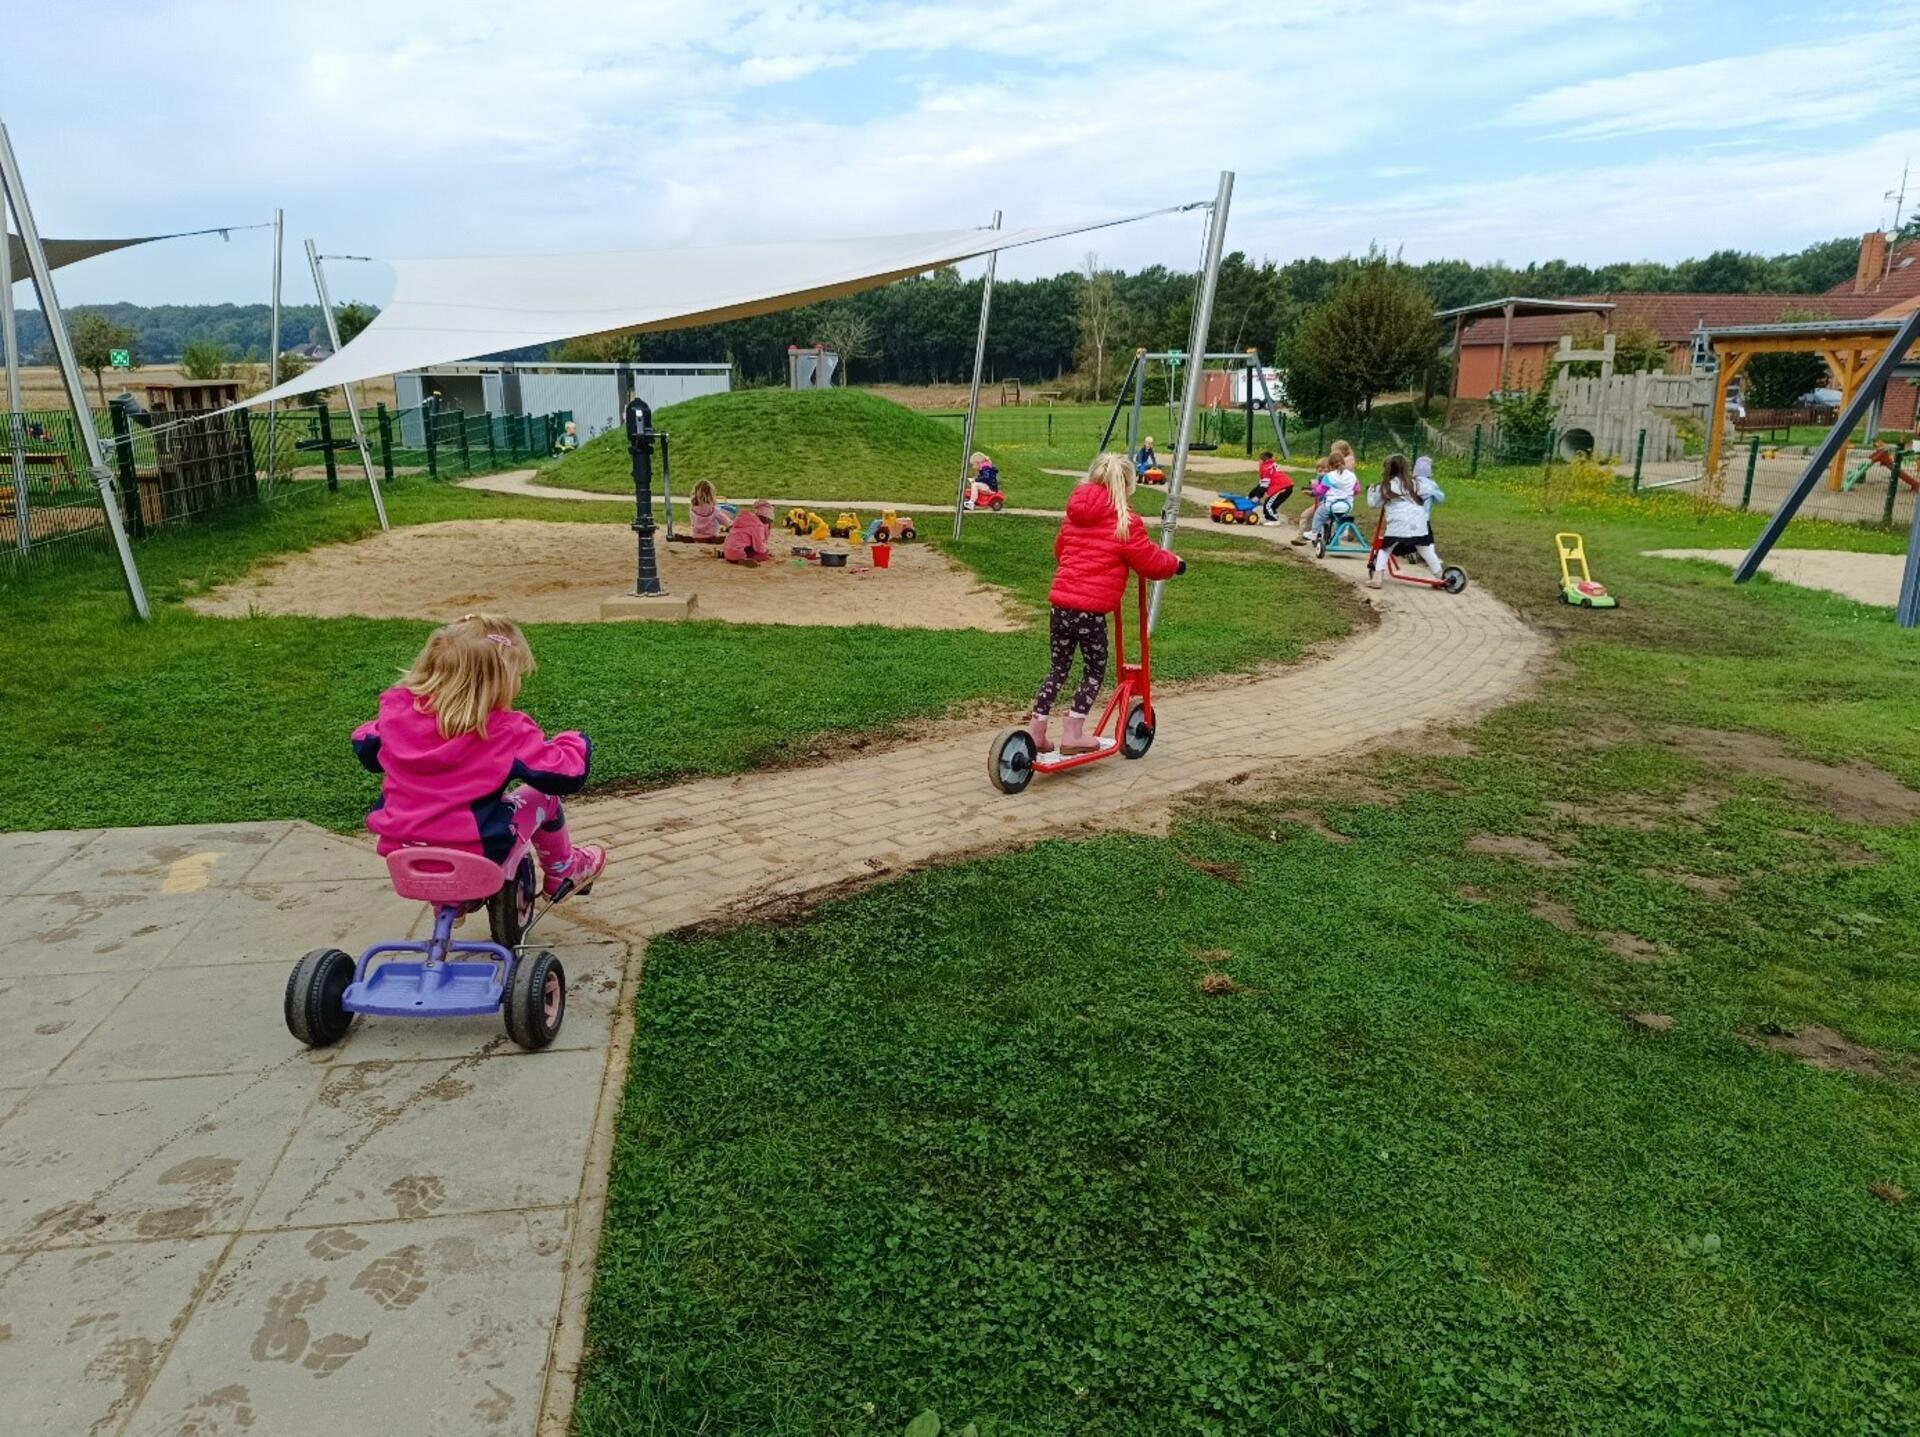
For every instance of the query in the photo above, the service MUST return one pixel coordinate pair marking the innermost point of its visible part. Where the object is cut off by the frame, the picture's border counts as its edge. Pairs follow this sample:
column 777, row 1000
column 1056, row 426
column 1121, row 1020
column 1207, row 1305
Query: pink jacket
column 450, row 792
column 706, row 521
column 747, row 539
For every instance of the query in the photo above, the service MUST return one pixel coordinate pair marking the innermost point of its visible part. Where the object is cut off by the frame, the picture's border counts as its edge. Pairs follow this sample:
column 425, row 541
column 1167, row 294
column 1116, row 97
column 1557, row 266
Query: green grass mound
column 814, row 444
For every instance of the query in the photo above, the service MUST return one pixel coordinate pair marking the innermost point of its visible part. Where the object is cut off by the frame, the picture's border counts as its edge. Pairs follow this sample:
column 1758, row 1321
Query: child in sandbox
column 747, row 540
column 707, row 518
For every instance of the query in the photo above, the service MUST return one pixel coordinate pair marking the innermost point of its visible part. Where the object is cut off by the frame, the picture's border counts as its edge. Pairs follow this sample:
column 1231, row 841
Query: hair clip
column 501, row 639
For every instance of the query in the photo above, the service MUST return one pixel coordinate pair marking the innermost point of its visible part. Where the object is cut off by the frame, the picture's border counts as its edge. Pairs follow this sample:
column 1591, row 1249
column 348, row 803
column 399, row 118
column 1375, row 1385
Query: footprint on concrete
column 495, row 1409
column 331, row 1353
column 395, row 1281
column 333, row 1244
column 223, row 1412
column 284, row 1332
column 417, row 1196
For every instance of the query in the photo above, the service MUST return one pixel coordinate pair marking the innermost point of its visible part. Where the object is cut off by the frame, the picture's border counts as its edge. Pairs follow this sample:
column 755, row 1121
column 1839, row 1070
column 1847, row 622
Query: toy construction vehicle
column 806, row 523
column 889, row 527
column 846, row 526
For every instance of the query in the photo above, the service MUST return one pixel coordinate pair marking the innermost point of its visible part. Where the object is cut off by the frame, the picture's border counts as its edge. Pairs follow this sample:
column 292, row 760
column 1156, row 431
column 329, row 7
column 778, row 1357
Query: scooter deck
column 1052, row 761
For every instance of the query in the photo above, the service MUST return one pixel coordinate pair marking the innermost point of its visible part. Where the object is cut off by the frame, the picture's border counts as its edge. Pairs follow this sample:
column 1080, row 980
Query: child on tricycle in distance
column 1100, row 542
column 1336, row 488
column 986, row 479
column 462, row 768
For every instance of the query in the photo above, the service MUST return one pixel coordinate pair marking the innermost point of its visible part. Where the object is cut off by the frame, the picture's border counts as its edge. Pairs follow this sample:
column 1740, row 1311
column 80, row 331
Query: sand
column 1869, row 578
column 558, row 573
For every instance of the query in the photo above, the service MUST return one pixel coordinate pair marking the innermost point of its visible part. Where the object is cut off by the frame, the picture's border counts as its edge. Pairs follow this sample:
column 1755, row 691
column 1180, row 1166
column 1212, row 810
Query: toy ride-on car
column 1153, row 474
column 890, row 526
column 1234, row 509
column 447, row 977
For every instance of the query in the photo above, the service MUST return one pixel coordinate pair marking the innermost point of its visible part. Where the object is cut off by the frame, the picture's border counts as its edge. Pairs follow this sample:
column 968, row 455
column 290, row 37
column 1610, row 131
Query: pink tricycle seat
column 443, row 875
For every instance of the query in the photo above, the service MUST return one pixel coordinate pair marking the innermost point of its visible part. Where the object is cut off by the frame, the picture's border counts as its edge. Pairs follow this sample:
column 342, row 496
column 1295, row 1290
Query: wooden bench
column 1778, row 421
column 55, row 460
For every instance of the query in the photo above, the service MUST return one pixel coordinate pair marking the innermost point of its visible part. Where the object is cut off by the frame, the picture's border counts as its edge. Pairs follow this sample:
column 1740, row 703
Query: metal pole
column 353, row 406
column 1473, row 471
column 1202, row 327
column 1907, row 613
column 1249, row 413
column 1639, row 453
column 1139, row 397
column 16, row 421
column 1893, row 491
column 1273, row 406
column 973, row 396
column 1138, row 367
column 1830, row 448
column 273, row 355
column 16, row 192
column 1753, row 462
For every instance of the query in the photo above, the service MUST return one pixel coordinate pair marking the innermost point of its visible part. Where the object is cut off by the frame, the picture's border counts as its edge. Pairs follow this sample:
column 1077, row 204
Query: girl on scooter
column 1409, row 501
column 1101, row 541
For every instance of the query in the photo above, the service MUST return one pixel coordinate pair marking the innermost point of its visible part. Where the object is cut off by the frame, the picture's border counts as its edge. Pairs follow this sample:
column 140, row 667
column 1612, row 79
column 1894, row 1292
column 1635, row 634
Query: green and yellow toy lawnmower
column 1582, row 590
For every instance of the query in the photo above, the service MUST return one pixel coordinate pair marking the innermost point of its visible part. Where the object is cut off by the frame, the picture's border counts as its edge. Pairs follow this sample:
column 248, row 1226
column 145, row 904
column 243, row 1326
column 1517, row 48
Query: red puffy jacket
column 1093, row 563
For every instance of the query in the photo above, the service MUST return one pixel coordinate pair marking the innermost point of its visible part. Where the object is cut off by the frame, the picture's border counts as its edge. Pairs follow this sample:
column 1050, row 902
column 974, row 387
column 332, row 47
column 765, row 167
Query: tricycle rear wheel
column 510, row 911
column 536, row 1003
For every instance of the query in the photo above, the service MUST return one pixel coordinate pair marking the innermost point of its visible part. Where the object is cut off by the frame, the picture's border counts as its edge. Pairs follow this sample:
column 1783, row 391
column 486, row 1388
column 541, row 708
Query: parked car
column 1821, row 398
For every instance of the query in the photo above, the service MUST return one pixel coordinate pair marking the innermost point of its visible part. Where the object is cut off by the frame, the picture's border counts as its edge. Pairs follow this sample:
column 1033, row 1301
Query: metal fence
column 170, row 468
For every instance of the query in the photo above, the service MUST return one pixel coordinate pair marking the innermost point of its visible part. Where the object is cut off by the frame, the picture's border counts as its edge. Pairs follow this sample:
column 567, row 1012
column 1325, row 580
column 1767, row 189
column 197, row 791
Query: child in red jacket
column 1101, row 541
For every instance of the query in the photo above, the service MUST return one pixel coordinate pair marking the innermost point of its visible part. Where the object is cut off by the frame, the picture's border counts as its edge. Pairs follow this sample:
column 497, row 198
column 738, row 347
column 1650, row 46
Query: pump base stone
column 648, row 606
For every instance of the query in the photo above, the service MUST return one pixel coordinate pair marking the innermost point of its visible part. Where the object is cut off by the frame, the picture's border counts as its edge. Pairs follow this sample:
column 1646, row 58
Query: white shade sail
column 446, row 310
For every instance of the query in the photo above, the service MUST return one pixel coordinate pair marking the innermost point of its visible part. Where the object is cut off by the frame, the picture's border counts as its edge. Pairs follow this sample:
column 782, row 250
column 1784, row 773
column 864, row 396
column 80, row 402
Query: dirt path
column 1869, row 578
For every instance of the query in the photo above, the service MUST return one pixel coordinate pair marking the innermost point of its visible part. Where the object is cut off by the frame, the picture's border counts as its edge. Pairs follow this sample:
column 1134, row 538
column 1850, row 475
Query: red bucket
column 882, row 556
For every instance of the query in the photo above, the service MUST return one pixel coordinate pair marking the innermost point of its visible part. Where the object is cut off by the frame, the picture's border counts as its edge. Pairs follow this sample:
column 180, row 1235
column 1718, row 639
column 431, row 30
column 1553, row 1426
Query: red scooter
column 1452, row 578
column 1125, row 727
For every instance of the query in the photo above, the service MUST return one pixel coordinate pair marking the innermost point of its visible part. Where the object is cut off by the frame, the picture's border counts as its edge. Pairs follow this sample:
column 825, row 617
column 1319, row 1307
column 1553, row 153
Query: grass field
column 1330, row 1113
column 199, row 719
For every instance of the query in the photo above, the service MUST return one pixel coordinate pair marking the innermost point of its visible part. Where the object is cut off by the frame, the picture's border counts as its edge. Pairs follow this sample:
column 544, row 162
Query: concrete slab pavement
column 205, row 1228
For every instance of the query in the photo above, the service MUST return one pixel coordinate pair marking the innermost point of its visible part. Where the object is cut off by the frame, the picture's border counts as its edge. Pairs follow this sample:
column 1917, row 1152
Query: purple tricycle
column 327, row 987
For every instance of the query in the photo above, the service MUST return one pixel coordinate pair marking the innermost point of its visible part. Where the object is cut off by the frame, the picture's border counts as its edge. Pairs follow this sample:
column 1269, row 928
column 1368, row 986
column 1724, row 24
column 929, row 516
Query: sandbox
column 541, row 572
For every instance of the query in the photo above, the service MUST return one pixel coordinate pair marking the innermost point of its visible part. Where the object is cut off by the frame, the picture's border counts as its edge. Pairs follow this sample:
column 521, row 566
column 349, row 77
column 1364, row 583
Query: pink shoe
column 588, row 861
column 1037, row 727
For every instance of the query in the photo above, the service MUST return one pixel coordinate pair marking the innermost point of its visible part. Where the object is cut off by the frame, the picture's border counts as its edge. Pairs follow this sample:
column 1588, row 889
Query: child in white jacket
column 1408, row 499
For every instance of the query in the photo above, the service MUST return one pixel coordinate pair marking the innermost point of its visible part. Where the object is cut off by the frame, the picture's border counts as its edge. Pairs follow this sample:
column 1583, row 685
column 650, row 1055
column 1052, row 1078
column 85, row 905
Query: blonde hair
column 976, row 459
column 1116, row 472
column 468, row 671
column 1322, row 464
column 1340, row 452
column 703, row 492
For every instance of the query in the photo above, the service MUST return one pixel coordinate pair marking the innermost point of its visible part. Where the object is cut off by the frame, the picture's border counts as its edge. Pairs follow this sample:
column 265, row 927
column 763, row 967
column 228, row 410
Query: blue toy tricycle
column 453, row 978
column 1336, row 533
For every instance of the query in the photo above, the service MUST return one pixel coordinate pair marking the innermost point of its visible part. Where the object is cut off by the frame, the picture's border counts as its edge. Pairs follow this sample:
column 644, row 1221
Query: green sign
column 120, row 359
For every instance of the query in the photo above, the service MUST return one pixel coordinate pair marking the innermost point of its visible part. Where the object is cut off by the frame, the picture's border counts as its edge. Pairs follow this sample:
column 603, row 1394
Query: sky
column 1514, row 130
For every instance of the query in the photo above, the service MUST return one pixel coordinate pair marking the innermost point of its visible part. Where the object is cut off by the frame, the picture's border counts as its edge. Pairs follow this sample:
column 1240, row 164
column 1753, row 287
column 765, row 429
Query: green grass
column 198, row 719
column 817, row 444
column 976, row 1141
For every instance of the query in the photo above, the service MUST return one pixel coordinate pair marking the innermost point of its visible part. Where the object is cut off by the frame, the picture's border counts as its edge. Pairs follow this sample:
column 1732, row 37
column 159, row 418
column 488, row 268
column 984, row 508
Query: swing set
column 1247, row 388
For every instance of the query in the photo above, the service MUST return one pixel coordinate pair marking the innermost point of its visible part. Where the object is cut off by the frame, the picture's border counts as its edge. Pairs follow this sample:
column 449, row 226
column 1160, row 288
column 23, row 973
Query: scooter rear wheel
column 1137, row 737
column 1010, row 761
column 1453, row 578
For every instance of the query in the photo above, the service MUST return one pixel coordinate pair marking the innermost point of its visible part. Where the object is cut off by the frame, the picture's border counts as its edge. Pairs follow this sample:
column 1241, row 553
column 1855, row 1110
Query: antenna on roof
column 1899, row 198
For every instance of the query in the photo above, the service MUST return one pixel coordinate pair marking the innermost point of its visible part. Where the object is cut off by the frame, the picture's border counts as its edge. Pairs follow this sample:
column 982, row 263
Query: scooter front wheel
column 1010, row 761
column 1453, row 578
column 1137, row 737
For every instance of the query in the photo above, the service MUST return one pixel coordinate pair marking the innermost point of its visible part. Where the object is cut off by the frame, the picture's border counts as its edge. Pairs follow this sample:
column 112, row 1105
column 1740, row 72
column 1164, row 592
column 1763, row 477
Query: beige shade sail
column 63, row 252
column 446, row 310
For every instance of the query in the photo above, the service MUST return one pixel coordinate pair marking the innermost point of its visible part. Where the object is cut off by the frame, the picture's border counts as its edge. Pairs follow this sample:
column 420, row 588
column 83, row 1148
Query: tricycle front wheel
column 314, row 1009
column 536, row 1003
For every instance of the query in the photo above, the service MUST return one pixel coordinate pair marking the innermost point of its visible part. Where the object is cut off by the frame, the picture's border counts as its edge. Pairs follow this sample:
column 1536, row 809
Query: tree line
column 1076, row 330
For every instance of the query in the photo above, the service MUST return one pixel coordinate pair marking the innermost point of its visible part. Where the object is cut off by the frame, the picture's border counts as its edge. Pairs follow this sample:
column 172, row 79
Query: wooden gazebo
column 1850, row 346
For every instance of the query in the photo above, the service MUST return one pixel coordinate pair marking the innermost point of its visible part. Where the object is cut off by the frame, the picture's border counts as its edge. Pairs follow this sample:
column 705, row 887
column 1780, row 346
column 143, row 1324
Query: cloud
column 1795, row 87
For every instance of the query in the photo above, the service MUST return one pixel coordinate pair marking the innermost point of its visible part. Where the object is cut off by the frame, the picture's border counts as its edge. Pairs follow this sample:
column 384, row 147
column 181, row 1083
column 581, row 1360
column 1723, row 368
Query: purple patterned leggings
column 1067, row 630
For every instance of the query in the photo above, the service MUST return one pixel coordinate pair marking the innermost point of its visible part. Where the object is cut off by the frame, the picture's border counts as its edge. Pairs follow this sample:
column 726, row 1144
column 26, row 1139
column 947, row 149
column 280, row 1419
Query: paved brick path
column 695, row 850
